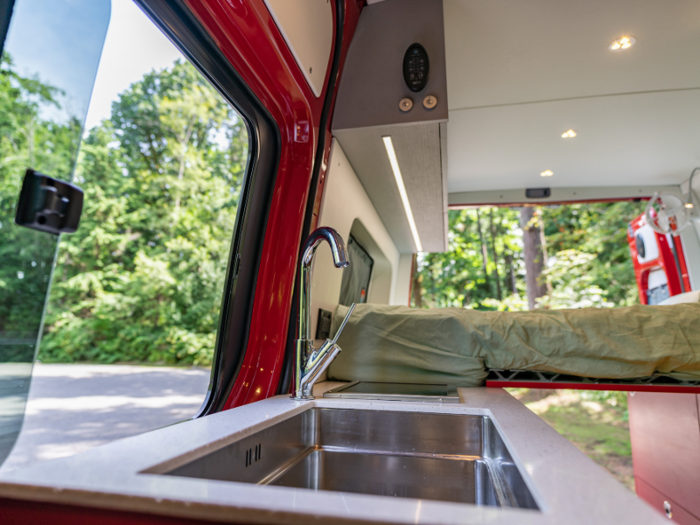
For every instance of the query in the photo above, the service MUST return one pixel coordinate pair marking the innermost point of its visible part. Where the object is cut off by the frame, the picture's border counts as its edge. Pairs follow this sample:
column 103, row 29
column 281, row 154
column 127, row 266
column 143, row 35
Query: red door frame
column 249, row 38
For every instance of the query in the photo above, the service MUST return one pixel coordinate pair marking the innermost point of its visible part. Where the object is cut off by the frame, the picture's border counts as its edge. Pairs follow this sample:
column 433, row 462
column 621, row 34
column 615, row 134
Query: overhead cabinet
column 396, row 42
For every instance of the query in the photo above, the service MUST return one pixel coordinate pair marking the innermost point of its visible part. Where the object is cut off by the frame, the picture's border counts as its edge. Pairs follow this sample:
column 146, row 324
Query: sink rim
column 263, row 422
column 287, row 442
column 552, row 467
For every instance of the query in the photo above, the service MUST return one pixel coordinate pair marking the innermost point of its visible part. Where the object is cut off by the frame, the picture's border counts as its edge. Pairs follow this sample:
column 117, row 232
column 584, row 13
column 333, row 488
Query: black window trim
column 179, row 24
column 6, row 8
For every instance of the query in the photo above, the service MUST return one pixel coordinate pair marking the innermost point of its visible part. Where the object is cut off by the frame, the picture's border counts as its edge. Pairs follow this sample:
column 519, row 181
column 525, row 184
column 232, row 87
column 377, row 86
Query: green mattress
column 456, row 346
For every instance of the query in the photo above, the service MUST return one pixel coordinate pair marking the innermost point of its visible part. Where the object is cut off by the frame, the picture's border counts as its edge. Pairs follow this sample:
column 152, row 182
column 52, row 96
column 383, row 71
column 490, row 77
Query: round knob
column 405, row 104
column 430, row 102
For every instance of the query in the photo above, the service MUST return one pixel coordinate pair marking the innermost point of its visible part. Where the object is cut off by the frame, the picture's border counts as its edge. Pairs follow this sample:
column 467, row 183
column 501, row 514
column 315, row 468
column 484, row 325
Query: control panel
column 416, row 67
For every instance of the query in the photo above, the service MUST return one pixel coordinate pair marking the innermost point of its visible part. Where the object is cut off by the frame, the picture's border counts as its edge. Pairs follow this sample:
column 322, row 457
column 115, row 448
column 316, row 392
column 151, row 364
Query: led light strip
column 402, row 190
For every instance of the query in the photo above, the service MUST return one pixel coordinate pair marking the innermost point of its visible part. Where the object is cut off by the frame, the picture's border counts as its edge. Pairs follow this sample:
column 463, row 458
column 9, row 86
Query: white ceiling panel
column 520, row 73
column 644, row 139
column 511, row 51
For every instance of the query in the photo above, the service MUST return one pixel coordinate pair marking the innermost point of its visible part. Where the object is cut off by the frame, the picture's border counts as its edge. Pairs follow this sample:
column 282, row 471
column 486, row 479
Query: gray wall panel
column 418, row 152
column 372, row 82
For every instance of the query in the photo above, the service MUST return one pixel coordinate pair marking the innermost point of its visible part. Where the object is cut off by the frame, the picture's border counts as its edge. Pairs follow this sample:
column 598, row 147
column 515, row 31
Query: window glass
column 134, row 307
column 48, row 65
column 356, row 277
column 141, row 281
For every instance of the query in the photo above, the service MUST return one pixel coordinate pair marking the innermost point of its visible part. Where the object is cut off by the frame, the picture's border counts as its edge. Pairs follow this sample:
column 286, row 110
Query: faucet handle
column 345, row 321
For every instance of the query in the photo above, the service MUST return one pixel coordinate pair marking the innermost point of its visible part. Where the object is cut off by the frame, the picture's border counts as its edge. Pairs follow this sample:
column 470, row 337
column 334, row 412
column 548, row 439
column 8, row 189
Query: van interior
column 336, row 394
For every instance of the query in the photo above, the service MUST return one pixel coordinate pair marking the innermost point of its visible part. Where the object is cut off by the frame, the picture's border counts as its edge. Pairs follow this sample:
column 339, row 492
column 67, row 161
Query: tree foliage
column 470, row 272
column 27, row 140
column 591, row 263
column 142, row 278
column 588, row 262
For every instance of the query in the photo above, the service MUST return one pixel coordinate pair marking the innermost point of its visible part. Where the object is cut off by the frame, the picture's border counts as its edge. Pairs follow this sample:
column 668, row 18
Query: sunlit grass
column 596, row 422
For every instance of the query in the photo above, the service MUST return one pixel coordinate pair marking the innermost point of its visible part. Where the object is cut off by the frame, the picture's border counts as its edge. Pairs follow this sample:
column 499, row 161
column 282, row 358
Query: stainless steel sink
column 431, row 456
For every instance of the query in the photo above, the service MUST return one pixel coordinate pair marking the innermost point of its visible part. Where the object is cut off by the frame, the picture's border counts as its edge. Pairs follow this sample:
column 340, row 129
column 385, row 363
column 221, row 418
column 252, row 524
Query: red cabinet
column 665, row 433
column 663, row 504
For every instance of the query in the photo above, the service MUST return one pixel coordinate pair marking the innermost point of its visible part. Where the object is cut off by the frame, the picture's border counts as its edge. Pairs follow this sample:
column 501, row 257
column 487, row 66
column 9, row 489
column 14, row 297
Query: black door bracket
column 49, row 205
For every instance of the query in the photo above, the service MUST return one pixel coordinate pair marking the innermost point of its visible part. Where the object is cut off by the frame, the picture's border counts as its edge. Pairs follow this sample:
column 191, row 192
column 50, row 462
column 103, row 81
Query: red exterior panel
column 665, row 261
column 678, row 243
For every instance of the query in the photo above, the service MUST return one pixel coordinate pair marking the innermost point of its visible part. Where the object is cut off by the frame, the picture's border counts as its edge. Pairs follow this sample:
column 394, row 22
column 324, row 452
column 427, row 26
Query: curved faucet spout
column 340, row 260
column 310, row 363
column 335, row 241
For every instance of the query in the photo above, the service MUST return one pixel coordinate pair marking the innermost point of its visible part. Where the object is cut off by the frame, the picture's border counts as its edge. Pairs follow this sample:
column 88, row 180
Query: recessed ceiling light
column 568, row 134
column 547, row 173
column 622, row 43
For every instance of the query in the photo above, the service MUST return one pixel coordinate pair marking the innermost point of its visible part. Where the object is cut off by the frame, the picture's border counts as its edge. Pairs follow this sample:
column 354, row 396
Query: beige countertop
column 568, row 487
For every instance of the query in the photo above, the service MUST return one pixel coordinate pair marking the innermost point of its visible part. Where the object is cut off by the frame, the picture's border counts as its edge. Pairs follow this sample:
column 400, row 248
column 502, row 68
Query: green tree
column 27, row 141
column 479, row 260
column 142, row 278
column 589, row 261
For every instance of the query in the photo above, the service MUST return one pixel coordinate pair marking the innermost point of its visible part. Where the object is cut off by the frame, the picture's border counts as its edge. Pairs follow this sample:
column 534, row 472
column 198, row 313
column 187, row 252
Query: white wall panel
column 345, row 202
column 307, row 26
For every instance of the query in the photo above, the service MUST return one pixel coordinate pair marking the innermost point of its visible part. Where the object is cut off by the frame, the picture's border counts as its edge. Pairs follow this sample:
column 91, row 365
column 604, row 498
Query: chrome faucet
column 311, row 362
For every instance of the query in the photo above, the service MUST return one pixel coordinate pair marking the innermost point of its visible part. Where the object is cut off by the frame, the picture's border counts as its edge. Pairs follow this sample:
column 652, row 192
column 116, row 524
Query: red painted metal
column 247, row 35
column 540, row 203
column 21, row 512
column 656, row 499
column 678, row 244
column 352, row 16
column 665, row 435
column 554, row 385
column 665, row 261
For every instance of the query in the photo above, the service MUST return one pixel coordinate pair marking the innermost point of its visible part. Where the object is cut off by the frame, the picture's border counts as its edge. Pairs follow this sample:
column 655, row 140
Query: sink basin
column 444, row 457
